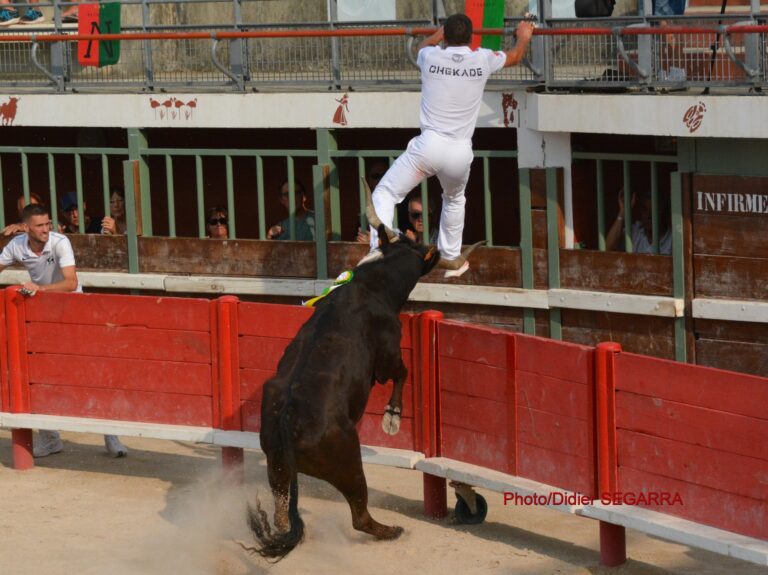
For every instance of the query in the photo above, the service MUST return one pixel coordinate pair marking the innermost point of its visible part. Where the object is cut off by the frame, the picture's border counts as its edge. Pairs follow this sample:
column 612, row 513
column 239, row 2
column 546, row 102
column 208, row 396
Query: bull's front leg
column 391, row 422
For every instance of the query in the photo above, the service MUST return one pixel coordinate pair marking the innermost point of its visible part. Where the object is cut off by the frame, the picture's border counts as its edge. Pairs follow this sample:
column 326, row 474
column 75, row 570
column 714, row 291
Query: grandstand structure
column 216, row 103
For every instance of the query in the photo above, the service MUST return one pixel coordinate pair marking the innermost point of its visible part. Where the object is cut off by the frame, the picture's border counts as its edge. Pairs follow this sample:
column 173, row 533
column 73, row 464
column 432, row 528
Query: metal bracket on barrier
column 616, row 32
column 47, row 73
column 238, row 81
column 723, row 30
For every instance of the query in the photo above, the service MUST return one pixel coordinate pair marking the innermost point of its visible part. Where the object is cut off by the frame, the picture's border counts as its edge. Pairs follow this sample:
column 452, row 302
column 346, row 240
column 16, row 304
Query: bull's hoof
column 391, row 421
column 387, row 533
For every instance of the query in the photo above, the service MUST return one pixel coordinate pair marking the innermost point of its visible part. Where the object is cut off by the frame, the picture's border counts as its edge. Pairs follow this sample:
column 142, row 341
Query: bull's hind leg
column 344, row 470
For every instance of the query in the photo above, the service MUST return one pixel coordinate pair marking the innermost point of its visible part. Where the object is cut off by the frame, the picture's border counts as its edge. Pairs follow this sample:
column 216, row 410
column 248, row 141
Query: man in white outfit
column 453, row 79
column 50, row 261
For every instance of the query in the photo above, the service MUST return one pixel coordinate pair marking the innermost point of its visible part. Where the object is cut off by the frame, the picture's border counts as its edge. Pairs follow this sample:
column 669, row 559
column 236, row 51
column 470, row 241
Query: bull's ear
column 383, row 237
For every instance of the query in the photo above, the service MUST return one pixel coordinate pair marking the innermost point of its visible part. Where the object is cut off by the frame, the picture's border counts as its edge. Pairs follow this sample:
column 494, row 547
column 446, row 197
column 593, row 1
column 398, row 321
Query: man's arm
column 433, row 40
column 69, row 283
column 524, row 33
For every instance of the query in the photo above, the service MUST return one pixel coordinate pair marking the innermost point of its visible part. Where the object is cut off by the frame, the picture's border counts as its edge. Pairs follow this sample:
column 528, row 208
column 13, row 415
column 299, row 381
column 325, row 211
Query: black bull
column 310, row 407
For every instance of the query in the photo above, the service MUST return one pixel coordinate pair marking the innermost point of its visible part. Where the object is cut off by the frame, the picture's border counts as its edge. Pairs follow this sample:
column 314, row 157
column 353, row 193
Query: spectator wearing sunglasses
column 304, row 218
column 217, row 224
column 415, row 229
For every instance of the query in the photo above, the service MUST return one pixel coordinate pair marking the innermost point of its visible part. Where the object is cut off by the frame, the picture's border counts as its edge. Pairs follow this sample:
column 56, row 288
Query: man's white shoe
column 48, row 443
column 114, row 447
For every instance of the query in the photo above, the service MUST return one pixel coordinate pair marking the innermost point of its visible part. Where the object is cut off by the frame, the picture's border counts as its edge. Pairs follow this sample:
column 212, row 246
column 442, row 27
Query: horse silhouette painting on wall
column 8, row 111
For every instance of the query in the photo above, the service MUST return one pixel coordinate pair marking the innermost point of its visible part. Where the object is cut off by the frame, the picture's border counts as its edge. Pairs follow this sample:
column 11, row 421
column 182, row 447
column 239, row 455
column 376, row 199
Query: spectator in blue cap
column 70, row 216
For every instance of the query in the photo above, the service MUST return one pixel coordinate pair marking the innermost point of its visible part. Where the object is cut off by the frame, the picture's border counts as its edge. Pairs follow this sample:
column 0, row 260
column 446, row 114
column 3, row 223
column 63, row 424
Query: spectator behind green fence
column 114, row 224
column 217, row 223
column 642, row 227
column 70, row 217
column 17, row 228
column 304, row 217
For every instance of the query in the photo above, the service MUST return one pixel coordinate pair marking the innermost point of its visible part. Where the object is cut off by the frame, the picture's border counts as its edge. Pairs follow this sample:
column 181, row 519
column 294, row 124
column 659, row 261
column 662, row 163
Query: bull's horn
column 459, row 261
column 373, row 218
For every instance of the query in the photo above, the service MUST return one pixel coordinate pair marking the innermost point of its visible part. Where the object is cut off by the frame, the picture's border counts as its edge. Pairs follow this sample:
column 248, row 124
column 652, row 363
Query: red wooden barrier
column 265, row 330
column 477, row 396
column 697, row 432
column 225, row 351
column 561, row 414
column 18, row 376
column 556, row 413
column 613, row 545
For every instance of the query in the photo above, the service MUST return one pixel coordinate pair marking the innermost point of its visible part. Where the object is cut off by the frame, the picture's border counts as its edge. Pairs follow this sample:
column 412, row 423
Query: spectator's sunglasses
column 416, row 215
column 217, row 221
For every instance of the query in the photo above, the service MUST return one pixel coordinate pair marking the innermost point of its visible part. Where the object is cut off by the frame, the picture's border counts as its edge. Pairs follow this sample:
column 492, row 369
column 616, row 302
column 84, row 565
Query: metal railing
column 238, row 54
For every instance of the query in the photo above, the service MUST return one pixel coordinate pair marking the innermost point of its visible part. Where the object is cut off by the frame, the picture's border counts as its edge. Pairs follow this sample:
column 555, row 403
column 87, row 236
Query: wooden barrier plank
column 262, row 352
column 120, row 373
column 472, row 343
column 272, row 320
column 476, row 448
column 556, row 433
column 198, row 256
column 557, row 469
column 616, row 272
column 745, row 357
column 473, row 413
column 727, row 472
column 561, row 360
column 252, row 381
column 171, row 408
column 473, row 379
column 250, row 415
column 120, row 311
column 695, row 425
column 551, row 395
column 727, row 235
column 702, row 504
column 693, row 385
column 729, row 277
column 125, row 342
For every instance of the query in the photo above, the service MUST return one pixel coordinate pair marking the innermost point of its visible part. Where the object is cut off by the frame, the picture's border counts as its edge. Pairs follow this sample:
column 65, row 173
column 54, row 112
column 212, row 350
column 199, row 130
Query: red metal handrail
column 232, row 34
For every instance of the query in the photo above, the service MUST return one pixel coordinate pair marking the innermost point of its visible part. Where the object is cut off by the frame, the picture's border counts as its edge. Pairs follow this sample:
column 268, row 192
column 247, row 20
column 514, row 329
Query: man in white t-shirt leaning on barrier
column 453, row 79
column 50, row 261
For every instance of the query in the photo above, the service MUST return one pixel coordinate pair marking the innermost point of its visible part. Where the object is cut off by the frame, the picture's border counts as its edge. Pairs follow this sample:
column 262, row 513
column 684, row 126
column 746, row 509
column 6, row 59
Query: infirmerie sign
column 731, row 203
column 730, row 195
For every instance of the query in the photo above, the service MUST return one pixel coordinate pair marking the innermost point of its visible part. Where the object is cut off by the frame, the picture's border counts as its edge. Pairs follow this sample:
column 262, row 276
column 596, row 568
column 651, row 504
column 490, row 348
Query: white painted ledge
column 492, row 480
column 616, row 302
column 681, row 531
column 480, row 295
column 646, row 521
column 241, row 439
column 731, row 310
column 107, row 427
column 727, row 310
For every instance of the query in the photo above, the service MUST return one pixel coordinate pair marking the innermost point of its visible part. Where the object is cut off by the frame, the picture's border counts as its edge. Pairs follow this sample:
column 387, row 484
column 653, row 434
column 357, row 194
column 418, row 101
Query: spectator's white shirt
column 641, row 244
column 44, row 269
column 452, row 84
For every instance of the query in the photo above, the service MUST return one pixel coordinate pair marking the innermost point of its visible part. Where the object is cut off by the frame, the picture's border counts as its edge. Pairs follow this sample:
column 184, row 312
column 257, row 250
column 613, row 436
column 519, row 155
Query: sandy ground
column 166, row 509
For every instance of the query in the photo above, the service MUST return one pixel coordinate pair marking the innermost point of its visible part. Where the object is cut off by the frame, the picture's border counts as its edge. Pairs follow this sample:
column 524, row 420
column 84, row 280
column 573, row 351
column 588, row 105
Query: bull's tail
column 278, row 544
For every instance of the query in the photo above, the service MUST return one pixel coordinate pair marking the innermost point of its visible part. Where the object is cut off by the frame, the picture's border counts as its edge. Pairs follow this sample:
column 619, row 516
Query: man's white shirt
column 44, row 269
column 452, row 84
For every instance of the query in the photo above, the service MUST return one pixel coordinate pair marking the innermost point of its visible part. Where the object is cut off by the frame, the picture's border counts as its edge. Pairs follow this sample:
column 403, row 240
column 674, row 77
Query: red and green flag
column 486, row 14
column 98, row 19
